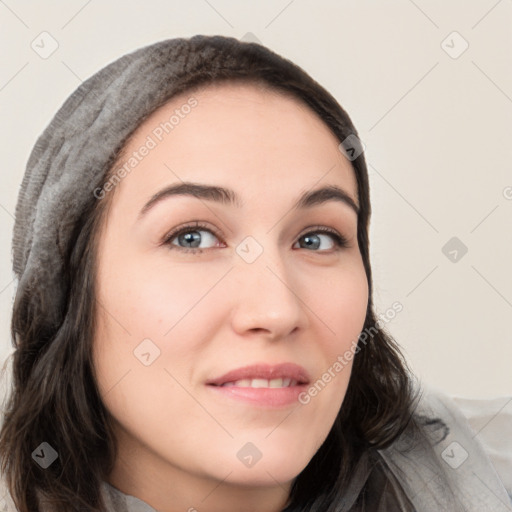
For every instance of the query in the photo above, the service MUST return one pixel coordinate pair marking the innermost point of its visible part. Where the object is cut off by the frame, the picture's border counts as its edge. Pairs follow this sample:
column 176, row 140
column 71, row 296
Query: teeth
column 259, row 383
column 262, row 383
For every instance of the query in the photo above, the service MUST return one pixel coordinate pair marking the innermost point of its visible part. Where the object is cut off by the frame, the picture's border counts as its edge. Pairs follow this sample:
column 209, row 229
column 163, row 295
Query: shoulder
column 491, row 421
column 445, row 463
column 478, row 427
column 114, row 500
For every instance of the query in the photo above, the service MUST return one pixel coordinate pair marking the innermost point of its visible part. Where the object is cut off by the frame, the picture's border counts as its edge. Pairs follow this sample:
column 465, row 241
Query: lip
column 265, row 398
column 264, row 371
column 262, row 397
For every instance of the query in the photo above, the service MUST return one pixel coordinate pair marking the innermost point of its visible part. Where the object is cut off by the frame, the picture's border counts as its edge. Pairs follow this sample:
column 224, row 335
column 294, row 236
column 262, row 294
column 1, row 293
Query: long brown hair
column 54, row 397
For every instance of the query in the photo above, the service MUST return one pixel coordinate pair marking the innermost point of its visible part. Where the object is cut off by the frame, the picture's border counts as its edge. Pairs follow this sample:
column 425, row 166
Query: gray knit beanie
column 71, row 157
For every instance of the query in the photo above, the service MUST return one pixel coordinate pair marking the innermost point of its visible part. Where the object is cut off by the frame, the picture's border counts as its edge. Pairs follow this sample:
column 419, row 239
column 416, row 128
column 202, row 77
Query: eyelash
column 340, row 241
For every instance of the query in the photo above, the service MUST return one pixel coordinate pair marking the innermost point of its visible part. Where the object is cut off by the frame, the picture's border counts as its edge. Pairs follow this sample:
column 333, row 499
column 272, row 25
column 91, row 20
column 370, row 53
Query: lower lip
column 266, row 397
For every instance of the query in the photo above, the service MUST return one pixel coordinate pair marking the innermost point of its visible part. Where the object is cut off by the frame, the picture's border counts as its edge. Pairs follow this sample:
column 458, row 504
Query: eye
column 191, row 238
column 313, row 240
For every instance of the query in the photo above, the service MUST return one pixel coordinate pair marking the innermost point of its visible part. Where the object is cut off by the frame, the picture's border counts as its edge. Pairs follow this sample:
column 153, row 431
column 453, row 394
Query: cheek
column 340, row 302
column 152, row 327
column 149, row 300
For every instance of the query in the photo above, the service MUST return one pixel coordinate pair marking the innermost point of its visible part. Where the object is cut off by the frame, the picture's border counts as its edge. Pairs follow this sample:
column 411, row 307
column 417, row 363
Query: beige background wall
column 428, row 84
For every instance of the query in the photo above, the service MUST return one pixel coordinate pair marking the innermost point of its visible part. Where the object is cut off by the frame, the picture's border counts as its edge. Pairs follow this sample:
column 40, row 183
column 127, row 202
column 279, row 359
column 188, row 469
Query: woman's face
column 257, row 283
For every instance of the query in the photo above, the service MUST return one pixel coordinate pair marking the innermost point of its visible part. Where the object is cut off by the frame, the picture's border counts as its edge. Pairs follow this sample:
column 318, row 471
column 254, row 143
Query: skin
column 178, row 441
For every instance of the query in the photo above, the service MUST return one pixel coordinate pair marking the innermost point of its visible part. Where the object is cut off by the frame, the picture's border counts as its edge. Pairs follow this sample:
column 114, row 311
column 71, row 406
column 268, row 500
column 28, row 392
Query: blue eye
column 313, row 238
column 191, row 237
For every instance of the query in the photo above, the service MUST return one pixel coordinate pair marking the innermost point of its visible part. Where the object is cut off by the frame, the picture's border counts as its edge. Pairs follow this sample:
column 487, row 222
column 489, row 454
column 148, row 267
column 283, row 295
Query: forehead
column 241, row 132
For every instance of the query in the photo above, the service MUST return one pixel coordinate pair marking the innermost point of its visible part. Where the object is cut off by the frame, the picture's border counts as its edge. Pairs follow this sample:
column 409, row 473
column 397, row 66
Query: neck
column 168, row 488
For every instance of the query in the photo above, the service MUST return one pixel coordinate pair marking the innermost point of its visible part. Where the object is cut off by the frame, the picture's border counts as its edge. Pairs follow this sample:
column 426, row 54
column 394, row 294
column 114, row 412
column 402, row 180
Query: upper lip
column 264, row 371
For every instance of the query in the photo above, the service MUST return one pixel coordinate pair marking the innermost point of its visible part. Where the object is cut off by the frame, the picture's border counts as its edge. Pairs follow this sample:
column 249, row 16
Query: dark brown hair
column 54, row 396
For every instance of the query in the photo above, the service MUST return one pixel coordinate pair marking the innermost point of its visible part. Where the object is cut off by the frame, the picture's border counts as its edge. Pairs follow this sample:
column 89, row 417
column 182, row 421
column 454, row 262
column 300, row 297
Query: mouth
column 262, row 385
column 263, row 375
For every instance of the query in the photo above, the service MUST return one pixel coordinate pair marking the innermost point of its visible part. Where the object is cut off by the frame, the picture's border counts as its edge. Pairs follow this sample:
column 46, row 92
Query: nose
column 267, row 298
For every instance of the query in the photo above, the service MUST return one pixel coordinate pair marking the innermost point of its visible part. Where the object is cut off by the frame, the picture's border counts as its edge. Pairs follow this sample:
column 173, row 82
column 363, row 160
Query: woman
column 247, row 374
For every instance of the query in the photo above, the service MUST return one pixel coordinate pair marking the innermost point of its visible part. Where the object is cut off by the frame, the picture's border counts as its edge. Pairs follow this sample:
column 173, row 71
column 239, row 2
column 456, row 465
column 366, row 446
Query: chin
column 279, row 469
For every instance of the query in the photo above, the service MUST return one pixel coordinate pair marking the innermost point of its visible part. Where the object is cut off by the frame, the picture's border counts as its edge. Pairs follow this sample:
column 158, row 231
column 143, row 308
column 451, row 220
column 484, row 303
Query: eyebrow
column 229, row 197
